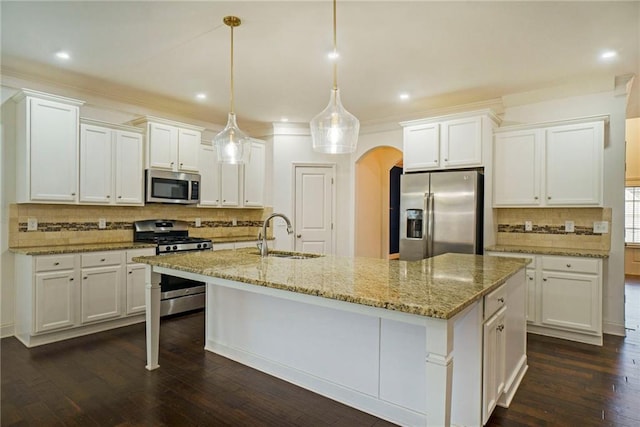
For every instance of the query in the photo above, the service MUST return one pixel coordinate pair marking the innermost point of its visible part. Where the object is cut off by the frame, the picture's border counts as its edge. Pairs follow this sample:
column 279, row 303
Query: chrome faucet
column 262, row 245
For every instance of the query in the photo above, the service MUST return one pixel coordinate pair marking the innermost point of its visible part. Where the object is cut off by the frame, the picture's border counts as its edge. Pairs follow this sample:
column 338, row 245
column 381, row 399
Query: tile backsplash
column 78, row 224
column 548, row 227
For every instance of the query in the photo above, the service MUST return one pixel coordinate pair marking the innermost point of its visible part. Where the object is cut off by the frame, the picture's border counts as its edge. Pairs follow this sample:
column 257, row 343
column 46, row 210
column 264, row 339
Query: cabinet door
column 531, row 296
column 96, row 179
column 188, row 143
column 136, row 288
column 573, row 159
column 53, row 130
column 493, row 374
column 230, row 184
column 570, row 300
column 461, row 142
column 516, row 168
column 163, row 146
column 209, row 176
column 254, row 178
column 129, row 168
column 55, row 300
column 421, row 147
column 101, row 293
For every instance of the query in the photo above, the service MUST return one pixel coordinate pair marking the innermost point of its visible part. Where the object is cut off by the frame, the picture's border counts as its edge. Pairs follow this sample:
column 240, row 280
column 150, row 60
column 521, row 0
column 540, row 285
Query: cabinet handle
column 500, row 328
column 501, row 300
column 568, row 265
column 56, row 263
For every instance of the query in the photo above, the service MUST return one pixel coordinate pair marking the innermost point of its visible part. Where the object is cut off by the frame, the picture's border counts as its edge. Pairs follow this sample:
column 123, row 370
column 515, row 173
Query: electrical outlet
column 198, row 222
column 569, row 227
column 32, row 224
column 234, row 222
column 601, row 227
column 102, row 223
column 528, row 226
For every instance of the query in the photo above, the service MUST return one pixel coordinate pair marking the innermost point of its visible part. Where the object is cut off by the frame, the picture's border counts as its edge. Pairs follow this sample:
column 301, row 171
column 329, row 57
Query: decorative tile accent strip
column 125, row 225
column 546, row 229
column 213, row 224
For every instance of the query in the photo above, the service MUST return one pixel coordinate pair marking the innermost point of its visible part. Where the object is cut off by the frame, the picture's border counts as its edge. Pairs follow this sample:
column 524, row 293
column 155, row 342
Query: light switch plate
column 234, row 222
column 198, row 222
column 32, row 224
column 528, row 226
column 102, row 223
column 569, row 227
column 601, row 227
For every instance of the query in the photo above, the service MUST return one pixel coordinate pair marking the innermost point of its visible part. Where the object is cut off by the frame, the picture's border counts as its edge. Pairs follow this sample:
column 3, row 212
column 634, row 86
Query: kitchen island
column 432, row 342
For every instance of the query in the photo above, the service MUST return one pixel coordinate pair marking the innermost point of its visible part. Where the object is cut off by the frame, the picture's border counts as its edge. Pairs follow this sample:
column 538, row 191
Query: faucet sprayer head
column 289, row 229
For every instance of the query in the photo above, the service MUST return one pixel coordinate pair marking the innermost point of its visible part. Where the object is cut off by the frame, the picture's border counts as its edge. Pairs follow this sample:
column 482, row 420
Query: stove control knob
column 175, row 248
column 198, row 246
column 205, row 246
column 168, row 248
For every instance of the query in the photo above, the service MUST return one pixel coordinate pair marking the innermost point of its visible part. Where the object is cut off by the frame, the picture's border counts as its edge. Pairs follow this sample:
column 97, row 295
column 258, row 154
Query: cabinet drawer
column 581, row 265
column 55, row 262
column 98, row 259
column 494, row 301
column 139, row 252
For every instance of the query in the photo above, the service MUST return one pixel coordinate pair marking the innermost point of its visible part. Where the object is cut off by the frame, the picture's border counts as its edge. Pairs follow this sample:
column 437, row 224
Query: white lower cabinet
column 493, row 362
column 68, row 295
column 564, row 296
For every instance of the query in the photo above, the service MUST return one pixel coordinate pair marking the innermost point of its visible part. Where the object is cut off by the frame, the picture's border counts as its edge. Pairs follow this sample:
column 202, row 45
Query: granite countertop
column 71, row 249
column 438, row 287
column 539, row 250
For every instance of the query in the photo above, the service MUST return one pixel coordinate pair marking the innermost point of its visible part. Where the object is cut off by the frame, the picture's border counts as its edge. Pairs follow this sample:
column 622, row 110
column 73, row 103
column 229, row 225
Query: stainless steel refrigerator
column 440, row 212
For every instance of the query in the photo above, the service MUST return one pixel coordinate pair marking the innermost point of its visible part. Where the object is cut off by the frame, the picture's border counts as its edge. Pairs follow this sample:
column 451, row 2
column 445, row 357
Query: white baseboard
column 7, row 330
column 510, row 390
column 364, row 402
column 565, row 335
column 614, row 329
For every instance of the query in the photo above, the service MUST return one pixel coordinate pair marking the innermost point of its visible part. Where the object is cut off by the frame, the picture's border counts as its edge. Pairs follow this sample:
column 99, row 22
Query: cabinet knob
column 171, row 163
column 85, row 277
column 56, row 263
column 446, row 160
column 535, row 198
column 73, row 194
column 544, row 279
column 501, row 300
column 108, row 197
column 223, row 200
column 530, row 278
column 246, row 201
column 181, row 164
column 568, row 265
column 217, row 200
column 435, row 161
column 548, row 197
column 102, row 260
column 71, row 279
column 500, row 328
column 298, row 235
column 119, row 197
column 130, row 272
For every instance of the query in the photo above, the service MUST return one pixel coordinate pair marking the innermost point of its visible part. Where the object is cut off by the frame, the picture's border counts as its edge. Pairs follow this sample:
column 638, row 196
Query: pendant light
column 232, row 145
column 334, row 130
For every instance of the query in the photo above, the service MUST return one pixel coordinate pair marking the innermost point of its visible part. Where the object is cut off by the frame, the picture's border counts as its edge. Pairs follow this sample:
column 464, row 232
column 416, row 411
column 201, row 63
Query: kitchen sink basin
column 291, row 256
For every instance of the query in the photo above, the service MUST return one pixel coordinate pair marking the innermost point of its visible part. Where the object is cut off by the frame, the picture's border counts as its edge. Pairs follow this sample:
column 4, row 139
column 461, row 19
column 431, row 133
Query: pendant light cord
column 335, row 49
column 231, row 103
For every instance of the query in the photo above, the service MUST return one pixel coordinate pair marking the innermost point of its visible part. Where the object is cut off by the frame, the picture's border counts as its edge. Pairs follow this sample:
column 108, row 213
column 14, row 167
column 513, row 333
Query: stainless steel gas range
column 172, row 236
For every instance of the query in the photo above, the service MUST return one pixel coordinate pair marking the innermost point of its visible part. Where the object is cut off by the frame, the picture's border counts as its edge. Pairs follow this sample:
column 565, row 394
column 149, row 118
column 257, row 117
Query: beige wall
column 72, row 224
column 372, row 201
column 548, row 227
column 632, row 136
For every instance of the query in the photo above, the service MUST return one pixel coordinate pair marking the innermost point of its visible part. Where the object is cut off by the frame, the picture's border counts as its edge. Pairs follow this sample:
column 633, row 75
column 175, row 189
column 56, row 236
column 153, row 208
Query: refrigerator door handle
column 430, row 223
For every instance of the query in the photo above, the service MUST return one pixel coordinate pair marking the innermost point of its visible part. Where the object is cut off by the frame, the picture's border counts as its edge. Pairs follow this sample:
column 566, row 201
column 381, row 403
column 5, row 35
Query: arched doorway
column 372, row 204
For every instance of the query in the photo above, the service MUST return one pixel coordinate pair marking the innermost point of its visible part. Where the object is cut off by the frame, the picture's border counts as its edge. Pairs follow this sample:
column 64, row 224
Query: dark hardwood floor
column 100, row 380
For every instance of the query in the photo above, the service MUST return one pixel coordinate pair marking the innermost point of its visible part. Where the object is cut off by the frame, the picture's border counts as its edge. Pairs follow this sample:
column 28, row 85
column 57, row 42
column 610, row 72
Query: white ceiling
column 442, row 53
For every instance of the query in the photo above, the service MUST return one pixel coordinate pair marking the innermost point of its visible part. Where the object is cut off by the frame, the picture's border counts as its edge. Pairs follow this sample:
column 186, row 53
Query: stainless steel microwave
column 172, row 187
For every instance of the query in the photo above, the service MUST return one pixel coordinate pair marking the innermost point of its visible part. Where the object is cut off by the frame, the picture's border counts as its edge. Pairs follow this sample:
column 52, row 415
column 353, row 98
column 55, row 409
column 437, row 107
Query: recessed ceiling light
column 333, row 55
column 404, row 96
column 201, row 96
column 63, row 55
column 284, row 119
column 608, row 54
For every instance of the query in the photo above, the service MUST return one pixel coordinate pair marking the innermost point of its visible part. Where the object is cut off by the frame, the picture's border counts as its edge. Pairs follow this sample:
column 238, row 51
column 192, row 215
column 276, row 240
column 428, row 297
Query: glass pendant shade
column 335, row 130
column 232, row 145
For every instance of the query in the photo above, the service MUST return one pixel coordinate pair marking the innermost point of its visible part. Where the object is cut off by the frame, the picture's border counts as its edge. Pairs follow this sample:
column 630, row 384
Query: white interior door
column 314, row 208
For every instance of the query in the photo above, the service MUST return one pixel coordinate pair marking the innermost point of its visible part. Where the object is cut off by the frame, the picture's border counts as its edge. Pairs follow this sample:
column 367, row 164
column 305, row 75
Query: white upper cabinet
column 454, row 141
column 170, row 145
column 254, row 176
column 553, row 165
column 46, row 147
column 226, row 185
column 111, row 168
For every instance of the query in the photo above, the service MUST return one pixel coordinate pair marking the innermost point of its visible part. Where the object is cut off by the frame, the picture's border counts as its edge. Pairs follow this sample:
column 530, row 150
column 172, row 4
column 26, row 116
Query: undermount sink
column 292, row 255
